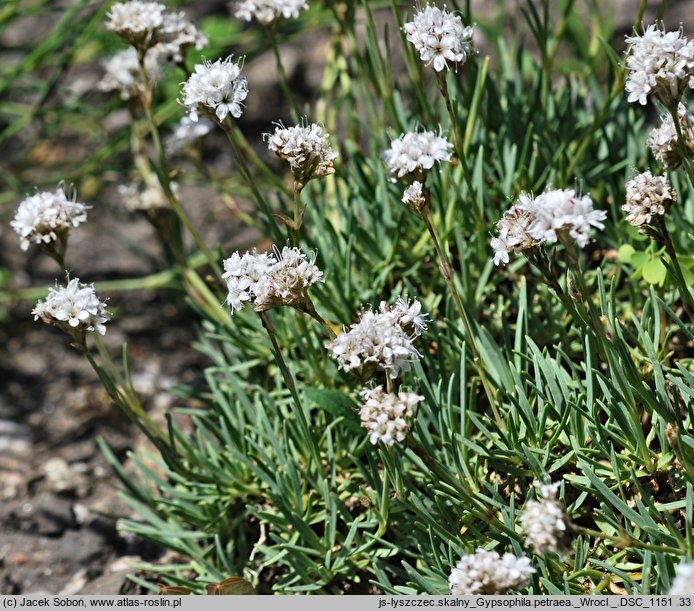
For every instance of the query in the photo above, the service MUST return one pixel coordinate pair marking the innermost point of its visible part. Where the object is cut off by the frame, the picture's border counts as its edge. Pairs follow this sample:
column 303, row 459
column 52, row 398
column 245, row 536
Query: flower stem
column 308, row 308
column 687, row 163
column 284, row 82
column 455, row 127
column 122, row 393
column 298, row 213
column 447, row 272
column 443, row 88
column 289, row 381
column 666, row 240
column 163, row 279
column 624, row 541
column 540, row 262
column 163, row 173
column 248, row 178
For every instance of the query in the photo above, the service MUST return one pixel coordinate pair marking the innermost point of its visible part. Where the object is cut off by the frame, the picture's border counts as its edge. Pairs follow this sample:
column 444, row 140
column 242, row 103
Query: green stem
column 625, row 541
column 447, row 272
column 58, row 254
column 308, row 308
column 124, row 395
column 443, row 88
column 289, row 381
column 298, row 213
column 540, row 262
column 687, row 301
column 686, row 162
column 460, row 146
column 284, row 82
column 595, row 327
column 248, row 178
column 163, row 279
column 163, row 173
column 444, row 475
column 249, row 155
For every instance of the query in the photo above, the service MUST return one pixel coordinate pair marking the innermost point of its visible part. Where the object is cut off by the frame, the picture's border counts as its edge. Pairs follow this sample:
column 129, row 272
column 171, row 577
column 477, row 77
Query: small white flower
column 440, row 37
column 501, row 246
column 186, row 132
column 267, row 11
column 647, row 196
column 175, row 36
column 545, row 522
column 663, row 139
column 415, row 153
column 660, row 63
column 270, row 280
column 513, row 230
column 136, row 21
column 306, row 148
column 216, row 88
column 563, row 211
column 380, row 339
column 74, row 307
column 486, row 572
column 414, row 197
column 386, row 415
column 142, row 196
column 408, row 315
column 122, row 73
column 46, row 217
column 683, row 584
column 535, row 221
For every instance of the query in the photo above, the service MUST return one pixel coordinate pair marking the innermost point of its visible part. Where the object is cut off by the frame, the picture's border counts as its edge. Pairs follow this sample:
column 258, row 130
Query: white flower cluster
column 382, row 339
column 513, row 230
column 535, row 221
column 663, row 139
column 270, row 280
column 647, row 196
column 75, row 304
column 175, row 37
column 545, row 522
column 42, row 217
column 407, row 315
column 306, row 149
column 386, row 415
column 660, row 63
column 122, row 72
column 414, row 153
column 440, row 37
column 149, row 24
column 136, row 21
column 142, row 196
column 186, row 132
column 683, row 584
column 267, row 11
column 414, row 197
column 488, row 573
column 217, row 88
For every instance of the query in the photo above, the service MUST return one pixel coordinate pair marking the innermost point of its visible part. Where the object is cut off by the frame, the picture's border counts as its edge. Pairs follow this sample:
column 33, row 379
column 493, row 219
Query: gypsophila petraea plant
column 217, row 89
column 271, row 280
column 545, row 523
column 439, row 37
column 381, row 339
column 46, row 218
column 486, row 572
column 75, row 308
column 663, row 140
column 342, row 439
column 268, row 11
